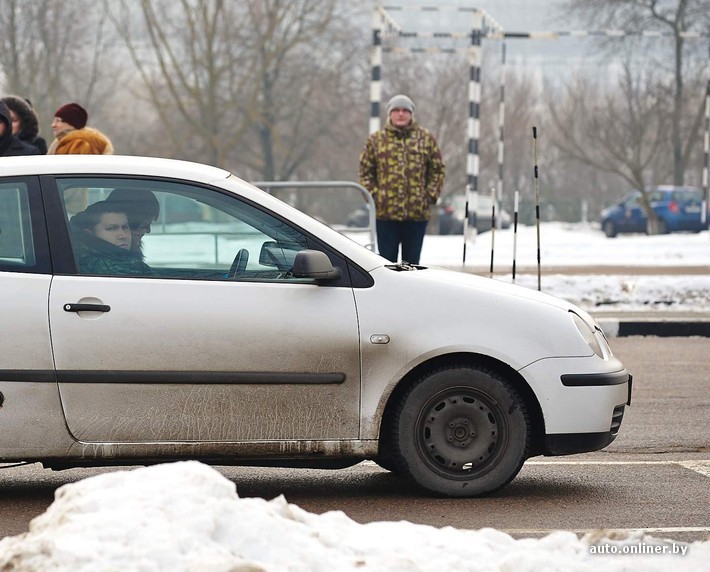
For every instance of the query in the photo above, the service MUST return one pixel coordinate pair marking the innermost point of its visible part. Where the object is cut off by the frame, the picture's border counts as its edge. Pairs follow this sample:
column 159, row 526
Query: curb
column 662, row 328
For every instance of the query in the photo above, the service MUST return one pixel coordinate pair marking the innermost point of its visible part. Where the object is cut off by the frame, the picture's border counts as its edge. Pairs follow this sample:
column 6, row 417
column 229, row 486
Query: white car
column 249, row 333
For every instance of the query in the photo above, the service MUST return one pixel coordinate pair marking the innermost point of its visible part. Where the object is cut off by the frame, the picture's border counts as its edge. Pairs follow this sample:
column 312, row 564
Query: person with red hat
column 72, row 136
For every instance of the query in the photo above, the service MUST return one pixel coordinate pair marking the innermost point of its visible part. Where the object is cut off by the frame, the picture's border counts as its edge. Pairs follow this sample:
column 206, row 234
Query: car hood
column 458, row 312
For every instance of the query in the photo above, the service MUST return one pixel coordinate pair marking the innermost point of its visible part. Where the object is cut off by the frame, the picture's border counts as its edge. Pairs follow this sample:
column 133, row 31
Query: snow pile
column 188, row 517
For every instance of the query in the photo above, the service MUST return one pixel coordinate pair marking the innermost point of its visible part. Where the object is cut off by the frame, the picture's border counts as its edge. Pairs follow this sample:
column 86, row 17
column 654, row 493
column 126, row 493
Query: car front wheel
column 461, row 431
column 609, row 229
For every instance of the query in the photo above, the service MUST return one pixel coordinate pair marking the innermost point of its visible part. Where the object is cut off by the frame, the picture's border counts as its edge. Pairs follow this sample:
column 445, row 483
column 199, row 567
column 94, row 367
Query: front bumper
column 570, row 443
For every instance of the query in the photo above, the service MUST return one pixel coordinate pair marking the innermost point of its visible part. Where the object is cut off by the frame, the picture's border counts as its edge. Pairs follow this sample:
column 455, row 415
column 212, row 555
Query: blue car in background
column 677, row 208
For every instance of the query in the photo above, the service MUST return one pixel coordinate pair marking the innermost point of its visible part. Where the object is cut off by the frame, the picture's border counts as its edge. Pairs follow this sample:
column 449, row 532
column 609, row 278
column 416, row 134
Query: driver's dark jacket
column 97, row 256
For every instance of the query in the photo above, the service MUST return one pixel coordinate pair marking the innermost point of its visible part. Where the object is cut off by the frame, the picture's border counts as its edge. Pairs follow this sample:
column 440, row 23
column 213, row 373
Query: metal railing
column 268, row 185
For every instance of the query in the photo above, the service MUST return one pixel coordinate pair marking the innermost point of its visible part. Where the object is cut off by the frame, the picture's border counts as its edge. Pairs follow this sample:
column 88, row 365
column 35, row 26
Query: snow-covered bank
column 584, row 245
column 566, row 244
column 187, row 517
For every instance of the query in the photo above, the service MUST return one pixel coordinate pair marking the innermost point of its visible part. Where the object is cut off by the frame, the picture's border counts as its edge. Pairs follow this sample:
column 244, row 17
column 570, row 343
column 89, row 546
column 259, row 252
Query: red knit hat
column 73, row 114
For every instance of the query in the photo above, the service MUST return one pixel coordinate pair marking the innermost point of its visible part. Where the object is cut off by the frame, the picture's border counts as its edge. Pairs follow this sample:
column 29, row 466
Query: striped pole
column 537, row 206
column 473, row 126
column 430, row 35
column 376, row 75
column 706, row 150
column 430, row 50
column 550, row 35
column 493, row 226
column 501, row 122
column 429, row 8
column 515, row 230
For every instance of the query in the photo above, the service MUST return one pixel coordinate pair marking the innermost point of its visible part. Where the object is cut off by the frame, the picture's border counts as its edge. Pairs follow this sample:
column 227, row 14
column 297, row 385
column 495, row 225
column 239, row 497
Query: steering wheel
column 240, row 263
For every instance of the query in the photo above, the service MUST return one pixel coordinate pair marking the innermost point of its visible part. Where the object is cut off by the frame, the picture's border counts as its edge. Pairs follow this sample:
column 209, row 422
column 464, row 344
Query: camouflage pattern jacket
column 404, row 172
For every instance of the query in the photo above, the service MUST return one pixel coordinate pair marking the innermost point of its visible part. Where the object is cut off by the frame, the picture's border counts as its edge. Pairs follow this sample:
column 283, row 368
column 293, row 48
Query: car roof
column 670, row 188
column 109, row 164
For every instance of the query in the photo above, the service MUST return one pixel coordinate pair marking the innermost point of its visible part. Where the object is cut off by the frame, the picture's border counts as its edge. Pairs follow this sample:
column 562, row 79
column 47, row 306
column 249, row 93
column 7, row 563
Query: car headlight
column 593, row 336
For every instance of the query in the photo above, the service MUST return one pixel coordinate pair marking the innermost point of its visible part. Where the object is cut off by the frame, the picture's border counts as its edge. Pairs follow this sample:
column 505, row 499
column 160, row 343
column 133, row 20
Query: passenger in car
column 142, row 209
column 102, row 239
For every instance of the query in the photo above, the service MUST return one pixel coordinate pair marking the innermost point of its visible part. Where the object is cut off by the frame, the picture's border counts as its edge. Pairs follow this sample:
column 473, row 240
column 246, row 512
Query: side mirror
column 314, row 264
column 273, row 254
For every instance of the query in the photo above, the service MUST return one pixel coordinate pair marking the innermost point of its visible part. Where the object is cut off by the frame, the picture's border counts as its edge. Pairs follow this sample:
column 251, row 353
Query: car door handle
column 87, row 308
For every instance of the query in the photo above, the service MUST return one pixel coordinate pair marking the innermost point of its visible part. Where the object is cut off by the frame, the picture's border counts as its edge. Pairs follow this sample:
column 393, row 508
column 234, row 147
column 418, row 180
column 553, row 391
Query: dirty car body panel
column 261, row 336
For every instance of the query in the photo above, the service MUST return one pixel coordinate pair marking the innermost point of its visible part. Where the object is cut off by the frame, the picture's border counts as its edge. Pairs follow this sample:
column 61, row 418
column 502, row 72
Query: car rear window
column 687, row 196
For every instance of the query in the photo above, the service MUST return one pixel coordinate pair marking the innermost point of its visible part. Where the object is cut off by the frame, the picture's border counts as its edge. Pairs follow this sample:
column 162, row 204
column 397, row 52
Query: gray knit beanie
column 400, row 102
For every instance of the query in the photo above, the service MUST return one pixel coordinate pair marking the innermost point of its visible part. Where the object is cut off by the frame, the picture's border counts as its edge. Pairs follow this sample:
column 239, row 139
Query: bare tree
column 675, row 18
column 54, row 52
column 620, row 131
column 192, row 65
column 255, row 85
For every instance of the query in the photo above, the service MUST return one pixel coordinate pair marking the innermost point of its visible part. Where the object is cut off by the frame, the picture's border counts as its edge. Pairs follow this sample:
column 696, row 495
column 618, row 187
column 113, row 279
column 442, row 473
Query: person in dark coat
column 101, row 237
column 25, row 125
column 142, row 208
column 10, row 145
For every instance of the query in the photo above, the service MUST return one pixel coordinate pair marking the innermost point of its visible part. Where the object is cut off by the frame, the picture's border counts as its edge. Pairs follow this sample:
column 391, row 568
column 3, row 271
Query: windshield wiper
column 405, row 267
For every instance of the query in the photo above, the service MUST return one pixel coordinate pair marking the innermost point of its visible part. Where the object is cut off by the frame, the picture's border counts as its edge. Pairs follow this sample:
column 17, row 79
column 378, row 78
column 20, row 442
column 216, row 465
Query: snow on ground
column 566, row 244
column 584, row 245
column 187, row 517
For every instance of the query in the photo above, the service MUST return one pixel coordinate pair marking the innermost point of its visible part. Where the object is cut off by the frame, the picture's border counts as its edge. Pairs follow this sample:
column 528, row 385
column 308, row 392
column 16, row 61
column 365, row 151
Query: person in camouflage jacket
column 401, row 166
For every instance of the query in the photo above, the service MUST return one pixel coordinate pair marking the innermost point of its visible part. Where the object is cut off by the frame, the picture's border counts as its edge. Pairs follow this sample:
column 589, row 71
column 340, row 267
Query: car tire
column 662, row 227
column 609, row 229
column 460, row 431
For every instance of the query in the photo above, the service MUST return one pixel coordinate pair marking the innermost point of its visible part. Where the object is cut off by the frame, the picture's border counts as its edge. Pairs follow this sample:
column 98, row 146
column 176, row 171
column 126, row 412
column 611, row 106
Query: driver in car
column 102, row 240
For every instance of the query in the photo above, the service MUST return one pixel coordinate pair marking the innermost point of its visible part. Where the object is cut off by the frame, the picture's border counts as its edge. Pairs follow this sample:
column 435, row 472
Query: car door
column 689, row 203
column 634, row 217
column 25, row 277
column 31, row 421
column 201, row 349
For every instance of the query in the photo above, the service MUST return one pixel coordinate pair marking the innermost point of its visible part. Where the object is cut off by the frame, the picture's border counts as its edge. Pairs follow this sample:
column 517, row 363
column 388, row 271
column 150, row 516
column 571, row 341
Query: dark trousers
column 408, row 233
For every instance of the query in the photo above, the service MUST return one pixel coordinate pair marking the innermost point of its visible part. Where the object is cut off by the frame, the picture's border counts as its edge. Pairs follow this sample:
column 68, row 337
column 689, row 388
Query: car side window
column 176, row 231
column 17, row 249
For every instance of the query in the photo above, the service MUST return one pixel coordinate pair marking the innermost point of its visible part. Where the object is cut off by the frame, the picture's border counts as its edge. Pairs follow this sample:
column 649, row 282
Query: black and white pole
column 515, row 230
column 493, row 226
column 376, row 75
column 473, row 126
column 537, row 206
column 556, row 35
column 706, row 151
column 501, row 122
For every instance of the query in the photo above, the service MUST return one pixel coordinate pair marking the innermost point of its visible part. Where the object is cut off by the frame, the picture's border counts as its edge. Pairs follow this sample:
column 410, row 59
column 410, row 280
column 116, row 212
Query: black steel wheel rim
column 461, row 433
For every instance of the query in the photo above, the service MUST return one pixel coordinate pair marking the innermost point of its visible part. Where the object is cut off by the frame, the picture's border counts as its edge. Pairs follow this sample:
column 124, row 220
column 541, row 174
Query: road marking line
column 702, row 467
column 611, row 462
column 663, row 529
